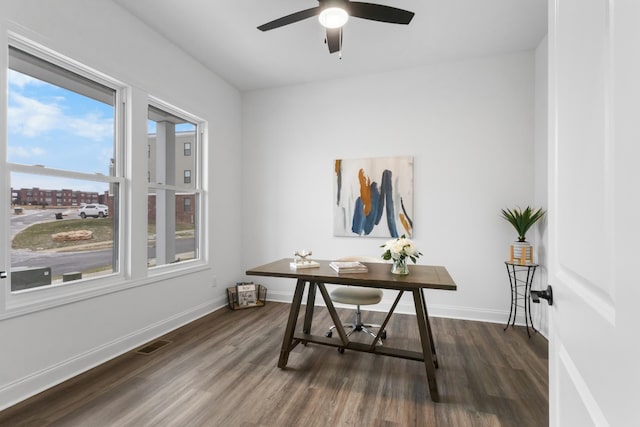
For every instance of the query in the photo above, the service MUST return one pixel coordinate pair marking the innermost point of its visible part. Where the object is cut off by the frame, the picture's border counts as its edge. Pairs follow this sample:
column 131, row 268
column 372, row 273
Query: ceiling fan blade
column 333, row 39
column 290, row 19
column 378, row 12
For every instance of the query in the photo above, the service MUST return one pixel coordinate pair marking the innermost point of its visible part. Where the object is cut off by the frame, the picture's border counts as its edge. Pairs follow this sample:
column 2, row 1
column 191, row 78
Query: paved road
column 61, row 262
column 32, row 216
column 66, row 262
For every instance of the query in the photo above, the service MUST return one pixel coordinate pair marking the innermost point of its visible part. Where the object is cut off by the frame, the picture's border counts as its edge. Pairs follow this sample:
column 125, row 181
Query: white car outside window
column 94, row 210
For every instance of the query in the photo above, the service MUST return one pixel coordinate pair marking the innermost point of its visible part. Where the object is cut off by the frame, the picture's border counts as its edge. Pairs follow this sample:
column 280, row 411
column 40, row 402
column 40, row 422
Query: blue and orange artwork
column 369, row 190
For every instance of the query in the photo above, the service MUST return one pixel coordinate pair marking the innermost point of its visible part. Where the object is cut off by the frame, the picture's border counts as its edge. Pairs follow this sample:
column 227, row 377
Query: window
column 173, row 227
column 63, row 136
column 187, row 148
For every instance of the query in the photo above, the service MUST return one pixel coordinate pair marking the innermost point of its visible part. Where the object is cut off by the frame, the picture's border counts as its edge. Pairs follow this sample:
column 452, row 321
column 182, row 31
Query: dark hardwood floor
column 221, row 371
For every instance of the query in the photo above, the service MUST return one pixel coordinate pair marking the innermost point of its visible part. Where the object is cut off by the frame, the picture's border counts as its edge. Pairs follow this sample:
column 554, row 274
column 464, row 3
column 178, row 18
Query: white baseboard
column 22, row 389
column 435, row 310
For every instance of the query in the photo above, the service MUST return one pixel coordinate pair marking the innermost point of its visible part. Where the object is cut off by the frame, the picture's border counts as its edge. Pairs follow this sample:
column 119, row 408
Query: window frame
column 127, row 122
column 196, row 188
column 29, row 300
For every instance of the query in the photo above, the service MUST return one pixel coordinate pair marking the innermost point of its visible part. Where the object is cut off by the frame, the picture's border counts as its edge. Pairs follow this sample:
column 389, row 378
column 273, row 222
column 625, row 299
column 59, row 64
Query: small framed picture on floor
column 247, row 294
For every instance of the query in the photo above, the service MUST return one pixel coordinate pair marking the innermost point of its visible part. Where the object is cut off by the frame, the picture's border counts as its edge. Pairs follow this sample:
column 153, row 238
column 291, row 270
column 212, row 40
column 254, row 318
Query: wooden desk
column 379, row 276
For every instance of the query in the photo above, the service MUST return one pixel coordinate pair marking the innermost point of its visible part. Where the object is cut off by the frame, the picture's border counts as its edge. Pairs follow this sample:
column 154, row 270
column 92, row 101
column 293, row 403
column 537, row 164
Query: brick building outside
column 47, row 197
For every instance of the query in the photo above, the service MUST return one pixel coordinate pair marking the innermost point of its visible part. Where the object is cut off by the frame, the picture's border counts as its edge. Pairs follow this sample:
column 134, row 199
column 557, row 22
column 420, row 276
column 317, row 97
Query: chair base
column 359, row 326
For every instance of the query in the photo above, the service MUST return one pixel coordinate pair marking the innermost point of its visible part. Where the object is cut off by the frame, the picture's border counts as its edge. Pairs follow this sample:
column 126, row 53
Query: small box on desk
column 246, row 295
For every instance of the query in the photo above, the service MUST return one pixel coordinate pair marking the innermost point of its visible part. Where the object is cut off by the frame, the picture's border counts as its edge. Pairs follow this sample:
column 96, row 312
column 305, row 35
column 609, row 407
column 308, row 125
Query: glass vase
column 400, row 266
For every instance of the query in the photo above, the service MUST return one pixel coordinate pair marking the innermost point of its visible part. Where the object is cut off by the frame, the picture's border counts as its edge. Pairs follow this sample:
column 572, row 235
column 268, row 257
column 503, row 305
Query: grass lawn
column 38, row 236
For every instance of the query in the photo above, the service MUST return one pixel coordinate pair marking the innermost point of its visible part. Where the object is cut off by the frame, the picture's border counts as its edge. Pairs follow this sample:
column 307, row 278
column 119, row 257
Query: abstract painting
column 373, row 197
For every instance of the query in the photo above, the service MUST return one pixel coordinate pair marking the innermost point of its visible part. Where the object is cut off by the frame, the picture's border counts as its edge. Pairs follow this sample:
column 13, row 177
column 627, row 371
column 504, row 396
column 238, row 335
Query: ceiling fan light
column 333, row 17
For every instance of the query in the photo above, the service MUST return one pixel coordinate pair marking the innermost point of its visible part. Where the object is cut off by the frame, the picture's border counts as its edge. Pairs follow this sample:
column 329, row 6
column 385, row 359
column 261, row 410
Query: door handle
column 546, row 294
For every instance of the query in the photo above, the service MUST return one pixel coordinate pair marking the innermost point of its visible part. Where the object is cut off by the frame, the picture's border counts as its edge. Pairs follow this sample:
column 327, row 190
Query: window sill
column 24, row 303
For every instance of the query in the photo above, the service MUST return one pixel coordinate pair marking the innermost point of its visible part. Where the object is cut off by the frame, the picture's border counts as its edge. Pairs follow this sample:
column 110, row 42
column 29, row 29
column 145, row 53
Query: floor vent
column 153, row 347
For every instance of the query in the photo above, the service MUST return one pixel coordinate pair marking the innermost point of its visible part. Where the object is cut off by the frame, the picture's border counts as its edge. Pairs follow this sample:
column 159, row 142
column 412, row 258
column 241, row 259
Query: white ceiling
column 222, row 35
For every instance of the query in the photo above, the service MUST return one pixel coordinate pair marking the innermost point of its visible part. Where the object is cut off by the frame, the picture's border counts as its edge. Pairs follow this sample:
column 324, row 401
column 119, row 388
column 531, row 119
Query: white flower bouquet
column 399, row 249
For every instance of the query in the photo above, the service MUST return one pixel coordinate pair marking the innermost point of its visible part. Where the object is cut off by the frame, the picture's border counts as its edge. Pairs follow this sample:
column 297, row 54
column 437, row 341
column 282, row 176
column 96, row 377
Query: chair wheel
column 341, row 350
column 384, row 335
column 328, row 334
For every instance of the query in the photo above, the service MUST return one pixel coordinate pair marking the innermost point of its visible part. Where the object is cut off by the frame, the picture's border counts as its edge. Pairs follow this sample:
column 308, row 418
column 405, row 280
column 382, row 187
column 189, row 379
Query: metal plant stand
column 520, row 290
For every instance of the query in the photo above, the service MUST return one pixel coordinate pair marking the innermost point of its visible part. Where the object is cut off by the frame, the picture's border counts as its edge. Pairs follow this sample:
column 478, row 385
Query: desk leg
column 426, row 315
column 308, row 312
column 378, row 337
column 287, row 341
column 334, row 314
column 425, row 341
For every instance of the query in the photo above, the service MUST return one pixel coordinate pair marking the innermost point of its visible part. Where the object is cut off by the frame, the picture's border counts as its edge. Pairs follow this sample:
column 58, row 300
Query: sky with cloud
column 57, row 128
column 60, row 129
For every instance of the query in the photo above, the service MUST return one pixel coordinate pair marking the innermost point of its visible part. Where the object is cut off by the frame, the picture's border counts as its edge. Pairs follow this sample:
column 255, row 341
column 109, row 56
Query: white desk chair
column 356, row 295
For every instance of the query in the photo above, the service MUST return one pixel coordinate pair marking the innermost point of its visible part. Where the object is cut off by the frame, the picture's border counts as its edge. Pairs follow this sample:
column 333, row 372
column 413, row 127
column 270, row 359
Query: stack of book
column 297, row 265
column 348, row 267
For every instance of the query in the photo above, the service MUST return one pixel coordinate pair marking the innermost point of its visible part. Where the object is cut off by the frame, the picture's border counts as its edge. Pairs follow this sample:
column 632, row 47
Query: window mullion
column 39, row 170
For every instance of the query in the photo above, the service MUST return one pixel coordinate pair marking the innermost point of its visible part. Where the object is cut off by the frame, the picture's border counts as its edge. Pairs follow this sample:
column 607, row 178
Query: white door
column 594, row 212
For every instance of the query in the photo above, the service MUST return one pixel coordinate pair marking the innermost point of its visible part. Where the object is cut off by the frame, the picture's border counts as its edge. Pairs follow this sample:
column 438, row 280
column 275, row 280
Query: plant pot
column 521, row 252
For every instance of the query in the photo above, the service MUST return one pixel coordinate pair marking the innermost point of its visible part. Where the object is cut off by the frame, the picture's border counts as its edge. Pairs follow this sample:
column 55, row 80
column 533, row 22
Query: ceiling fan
column 333, row 14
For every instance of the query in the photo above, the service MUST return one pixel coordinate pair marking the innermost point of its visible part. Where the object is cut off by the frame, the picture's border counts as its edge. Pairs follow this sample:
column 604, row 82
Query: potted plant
column 522, row 220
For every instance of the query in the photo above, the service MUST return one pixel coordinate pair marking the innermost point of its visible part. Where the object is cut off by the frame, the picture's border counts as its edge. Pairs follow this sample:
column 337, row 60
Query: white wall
column 470, row 128
column 47, row 346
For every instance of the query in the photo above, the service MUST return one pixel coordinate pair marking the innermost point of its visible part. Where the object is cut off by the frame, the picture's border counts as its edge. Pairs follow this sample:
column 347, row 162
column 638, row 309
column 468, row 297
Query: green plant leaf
column 522, row 219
